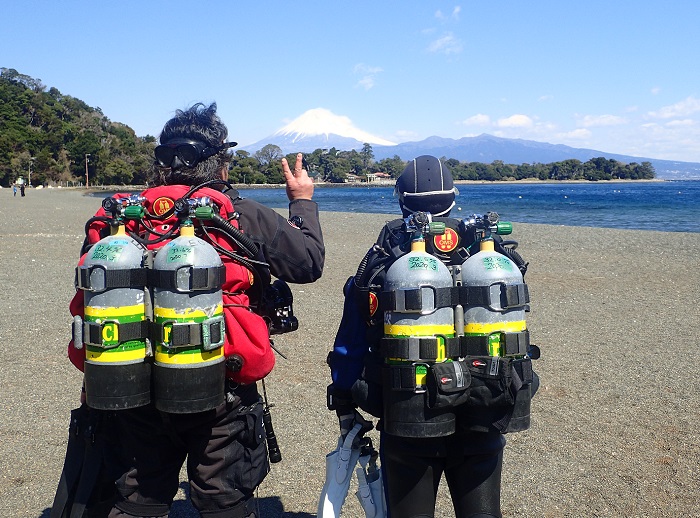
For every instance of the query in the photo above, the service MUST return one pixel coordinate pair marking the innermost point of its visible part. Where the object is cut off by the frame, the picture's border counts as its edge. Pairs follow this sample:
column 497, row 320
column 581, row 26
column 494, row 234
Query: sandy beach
column 615, row 424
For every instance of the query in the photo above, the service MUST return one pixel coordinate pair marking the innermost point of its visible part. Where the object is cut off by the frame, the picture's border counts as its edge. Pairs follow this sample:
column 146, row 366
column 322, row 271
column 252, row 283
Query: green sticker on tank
column 179, row 254
column 498, row 263
column 109, row 252
column 422, row 263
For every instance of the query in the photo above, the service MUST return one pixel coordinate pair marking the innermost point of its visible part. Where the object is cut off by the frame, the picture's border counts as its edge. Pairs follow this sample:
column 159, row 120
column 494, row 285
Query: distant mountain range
column 320, row 129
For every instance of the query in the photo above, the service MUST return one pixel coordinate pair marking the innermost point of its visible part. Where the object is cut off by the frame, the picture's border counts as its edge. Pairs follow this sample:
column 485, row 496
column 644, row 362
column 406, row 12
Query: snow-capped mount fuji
column 322, row 129
column 319, row 128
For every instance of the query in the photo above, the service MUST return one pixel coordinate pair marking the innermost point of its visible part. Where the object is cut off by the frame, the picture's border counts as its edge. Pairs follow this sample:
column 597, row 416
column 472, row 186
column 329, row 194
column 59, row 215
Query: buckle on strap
column 210, row 334
column 97, row 278
column 425, row 299
column 406, row 378
column 420, row 348
column 516, row 344
column 188, row 278
column 98, row 334
column 498, row 296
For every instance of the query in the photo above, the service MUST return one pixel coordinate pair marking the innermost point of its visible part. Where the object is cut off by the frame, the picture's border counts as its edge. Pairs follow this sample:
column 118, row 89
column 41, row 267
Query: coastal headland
column 615, row 423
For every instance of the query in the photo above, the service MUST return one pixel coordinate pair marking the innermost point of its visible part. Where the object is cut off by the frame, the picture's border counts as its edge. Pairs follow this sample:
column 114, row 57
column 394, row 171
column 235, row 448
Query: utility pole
column 31, row 159
column 86, row 170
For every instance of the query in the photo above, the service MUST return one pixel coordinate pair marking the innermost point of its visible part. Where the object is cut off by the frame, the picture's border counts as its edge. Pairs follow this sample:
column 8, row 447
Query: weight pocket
column 491, row 381
column 448, row 384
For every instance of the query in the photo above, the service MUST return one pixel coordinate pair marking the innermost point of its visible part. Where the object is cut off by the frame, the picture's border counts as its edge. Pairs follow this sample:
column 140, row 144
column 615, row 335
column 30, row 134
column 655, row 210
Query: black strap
column 208, row 334
column 129, row 278
column 92, row 332
column 510, row 295
column 195, row 279
column 413, row 301
column 516, row 344
column 400, row 377
column 419, row 348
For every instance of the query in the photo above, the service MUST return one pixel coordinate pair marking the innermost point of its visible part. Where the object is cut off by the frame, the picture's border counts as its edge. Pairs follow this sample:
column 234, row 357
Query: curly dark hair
column 199, row 122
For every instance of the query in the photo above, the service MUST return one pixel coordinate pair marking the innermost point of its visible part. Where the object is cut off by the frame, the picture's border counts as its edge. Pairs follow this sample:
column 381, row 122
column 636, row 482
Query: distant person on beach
column 14, row 189
column 415, row 377
column 21, row 189
column 224, row 447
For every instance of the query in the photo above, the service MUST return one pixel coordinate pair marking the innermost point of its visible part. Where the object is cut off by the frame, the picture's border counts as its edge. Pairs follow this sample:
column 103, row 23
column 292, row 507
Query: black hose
column 246, row 244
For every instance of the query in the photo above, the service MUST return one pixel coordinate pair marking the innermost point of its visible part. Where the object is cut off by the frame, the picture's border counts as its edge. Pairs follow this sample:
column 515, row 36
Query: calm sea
column 671, row 206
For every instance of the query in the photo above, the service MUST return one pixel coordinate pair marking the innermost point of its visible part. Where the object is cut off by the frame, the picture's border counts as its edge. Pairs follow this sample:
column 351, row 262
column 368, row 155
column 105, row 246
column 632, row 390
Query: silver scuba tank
column 412, row 280
column 114, row 328
column 189, row 367
column 500, row 314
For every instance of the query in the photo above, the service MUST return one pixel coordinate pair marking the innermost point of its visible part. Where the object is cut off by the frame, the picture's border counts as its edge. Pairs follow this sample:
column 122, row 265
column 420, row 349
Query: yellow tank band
column 187, row 357
column 186, row 314
column 114, row 312
column 497, row 327
column 419, row 330
column 115, row 355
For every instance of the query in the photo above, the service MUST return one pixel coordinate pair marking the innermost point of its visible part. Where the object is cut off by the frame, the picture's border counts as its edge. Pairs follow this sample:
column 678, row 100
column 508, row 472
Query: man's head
column 426, row 185
column 192, row 148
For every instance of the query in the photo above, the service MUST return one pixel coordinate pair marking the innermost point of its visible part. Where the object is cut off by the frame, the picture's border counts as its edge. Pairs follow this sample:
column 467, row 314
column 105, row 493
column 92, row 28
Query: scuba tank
column 497, row 297
column 189, row 369
column 413, row 324
column 495, row 332
column 114, row 328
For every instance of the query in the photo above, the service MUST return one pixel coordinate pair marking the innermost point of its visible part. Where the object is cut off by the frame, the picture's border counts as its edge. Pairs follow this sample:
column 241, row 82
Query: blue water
column 672, row 206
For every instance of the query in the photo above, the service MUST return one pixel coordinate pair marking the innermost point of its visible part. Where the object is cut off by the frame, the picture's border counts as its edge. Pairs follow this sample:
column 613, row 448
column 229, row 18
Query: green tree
column 367, row 157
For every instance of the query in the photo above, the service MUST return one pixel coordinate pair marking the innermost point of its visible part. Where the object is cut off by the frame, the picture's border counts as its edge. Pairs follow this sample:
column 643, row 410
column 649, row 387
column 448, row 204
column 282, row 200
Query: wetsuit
column 470, row 458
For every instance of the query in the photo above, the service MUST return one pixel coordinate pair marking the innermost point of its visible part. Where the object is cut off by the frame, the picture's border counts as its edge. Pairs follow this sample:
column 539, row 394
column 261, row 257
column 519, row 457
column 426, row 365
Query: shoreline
column 614, row 425
column 381, row 183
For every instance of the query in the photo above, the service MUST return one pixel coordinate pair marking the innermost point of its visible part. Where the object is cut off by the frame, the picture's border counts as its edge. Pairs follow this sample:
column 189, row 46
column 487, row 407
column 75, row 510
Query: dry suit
column 224, row 447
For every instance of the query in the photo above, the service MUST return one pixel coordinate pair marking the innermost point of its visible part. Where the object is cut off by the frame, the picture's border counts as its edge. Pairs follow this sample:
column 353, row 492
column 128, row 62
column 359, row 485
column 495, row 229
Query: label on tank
column 180, row 254
column 108, row 252
column 498, row 263
column 423, row 263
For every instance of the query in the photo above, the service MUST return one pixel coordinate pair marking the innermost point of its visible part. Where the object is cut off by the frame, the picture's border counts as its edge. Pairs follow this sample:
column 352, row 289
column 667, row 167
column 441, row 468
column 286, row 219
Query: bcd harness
column 455, row 349
column 154, row 321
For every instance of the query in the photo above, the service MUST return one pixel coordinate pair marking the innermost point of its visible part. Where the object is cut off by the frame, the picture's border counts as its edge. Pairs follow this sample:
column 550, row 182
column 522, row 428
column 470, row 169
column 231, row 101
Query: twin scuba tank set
column 455, row 338
column 153, row 327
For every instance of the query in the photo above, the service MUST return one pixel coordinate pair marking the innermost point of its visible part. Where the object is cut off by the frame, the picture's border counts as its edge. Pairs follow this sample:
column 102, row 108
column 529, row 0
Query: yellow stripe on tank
column 114, row 312
column 112, row 356
column 170, row 313
column 188, row 358
column 419, row 330
column 497, row 327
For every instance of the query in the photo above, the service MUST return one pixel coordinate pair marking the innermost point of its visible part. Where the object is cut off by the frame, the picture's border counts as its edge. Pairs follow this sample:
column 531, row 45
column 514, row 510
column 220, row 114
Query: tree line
column 62, row 140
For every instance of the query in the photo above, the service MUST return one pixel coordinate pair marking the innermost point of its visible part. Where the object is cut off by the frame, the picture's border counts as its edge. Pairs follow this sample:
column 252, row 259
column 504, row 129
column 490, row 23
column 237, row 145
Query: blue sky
column 620, row 77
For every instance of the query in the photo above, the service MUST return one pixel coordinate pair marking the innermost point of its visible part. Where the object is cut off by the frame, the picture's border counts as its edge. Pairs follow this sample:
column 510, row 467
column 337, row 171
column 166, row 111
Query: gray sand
column 614, row 425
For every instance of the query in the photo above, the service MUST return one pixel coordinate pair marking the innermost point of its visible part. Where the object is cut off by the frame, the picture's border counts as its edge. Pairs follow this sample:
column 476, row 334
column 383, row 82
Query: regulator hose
column 246, row 243
column 514, row 256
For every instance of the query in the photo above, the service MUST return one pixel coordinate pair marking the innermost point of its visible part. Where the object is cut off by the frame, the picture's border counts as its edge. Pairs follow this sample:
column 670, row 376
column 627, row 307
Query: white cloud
column 656, row 90
column 448, row 44
column 515, row 121
column 591, row 121
column 368, row 73
column 479, row 119
column 680, row 123
column 454, row 15
column 682, row 108
column 366, row 82
column 544, row 98
column 577, row 134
